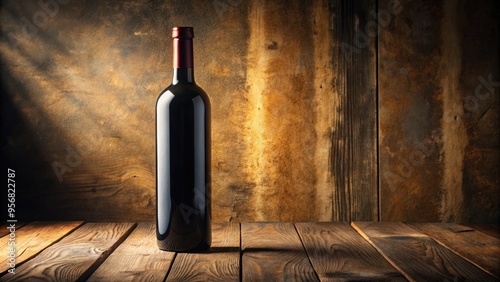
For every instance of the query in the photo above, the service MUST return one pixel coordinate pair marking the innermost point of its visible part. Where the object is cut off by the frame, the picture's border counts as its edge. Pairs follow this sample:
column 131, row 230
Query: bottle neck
column 183, row 75
column 182, row 60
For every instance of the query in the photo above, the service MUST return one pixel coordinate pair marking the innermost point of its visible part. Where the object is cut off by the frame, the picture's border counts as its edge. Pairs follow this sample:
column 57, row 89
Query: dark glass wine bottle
column 183, row 218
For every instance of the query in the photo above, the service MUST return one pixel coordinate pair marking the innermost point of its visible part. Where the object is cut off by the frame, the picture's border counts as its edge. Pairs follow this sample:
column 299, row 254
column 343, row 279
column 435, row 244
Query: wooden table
column 70, row 251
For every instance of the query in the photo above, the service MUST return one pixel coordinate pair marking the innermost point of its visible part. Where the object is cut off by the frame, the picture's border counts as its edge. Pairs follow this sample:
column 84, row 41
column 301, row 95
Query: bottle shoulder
column 183, row 92
column 185, row 89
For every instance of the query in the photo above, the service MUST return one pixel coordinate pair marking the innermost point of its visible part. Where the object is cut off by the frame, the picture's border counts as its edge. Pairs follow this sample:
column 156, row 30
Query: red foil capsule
column 182, row 47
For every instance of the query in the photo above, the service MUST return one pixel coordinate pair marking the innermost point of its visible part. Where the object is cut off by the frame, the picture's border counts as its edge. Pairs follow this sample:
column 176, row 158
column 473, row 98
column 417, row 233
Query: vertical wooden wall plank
column 480, row 103
column 354, row 136
column 410, row 110
column 280, row 133
column 325, row 103
column 438, row 120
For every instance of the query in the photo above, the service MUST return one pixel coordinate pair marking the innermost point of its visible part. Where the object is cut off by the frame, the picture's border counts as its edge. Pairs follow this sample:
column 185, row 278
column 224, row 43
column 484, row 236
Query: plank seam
column 170, row 267
column 377, row 121
column 307, row 253
column 453, row 251
column 18, row 264
column 19, row 225
column 482, row 232
column 95, row 265
column 367, row 238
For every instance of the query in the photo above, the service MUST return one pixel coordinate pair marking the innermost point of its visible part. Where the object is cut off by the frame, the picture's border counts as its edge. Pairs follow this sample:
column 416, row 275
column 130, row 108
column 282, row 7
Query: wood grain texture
column 481, row 250
column 4, row 231
column 338, row 253
column 296, row 90
column 79, row 112
column 281, row 103
column 273, row 252
column 353, row 153
column 438, row 71
column 410, row 111
column 136, row 259
column 480, row 81
column 34, row 238
column 220, row 263
column 76, row 256
column 492, row 230
column 417, row 256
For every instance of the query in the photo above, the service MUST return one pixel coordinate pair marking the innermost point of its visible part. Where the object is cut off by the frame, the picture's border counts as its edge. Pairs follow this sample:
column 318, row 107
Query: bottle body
column 183, row 169
column 183, row 156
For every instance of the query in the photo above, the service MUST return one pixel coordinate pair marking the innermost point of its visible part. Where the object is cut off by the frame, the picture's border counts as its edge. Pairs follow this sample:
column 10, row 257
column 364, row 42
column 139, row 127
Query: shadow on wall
column 20, row 151
column 66, row 91
column 84, row 77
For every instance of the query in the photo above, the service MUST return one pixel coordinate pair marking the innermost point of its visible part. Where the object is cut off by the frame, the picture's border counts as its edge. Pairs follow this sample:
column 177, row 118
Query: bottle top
column 185, row 32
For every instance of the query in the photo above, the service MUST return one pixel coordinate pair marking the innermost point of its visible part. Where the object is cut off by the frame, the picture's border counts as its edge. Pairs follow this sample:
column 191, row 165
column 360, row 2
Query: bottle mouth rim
column 182, row 32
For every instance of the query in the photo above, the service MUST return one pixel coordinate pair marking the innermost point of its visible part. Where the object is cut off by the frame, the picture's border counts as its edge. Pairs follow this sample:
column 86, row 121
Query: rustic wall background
column 439, row 112
column 315, row 117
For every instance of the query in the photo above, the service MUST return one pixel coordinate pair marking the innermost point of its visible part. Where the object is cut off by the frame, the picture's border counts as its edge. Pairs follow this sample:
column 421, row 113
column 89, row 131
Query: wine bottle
column 183, row 217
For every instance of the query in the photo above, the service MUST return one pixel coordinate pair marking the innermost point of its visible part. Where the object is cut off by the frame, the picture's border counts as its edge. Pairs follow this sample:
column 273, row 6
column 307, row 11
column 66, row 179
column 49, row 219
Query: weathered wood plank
column 354, row 130
column 4, row 231
column 492, row 230
column 136, row 259
column 417, row 256
column 338, row 253
column 274, row 252
column 220, row 263
column 410, row 110
column 281, row 102
column 76, row 256
column 438, row 118
column 480, row 84
column 481, row 250
column 35, row 237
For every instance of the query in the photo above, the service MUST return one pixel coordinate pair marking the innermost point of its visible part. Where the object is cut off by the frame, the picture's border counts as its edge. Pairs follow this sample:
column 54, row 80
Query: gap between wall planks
column 300, row 251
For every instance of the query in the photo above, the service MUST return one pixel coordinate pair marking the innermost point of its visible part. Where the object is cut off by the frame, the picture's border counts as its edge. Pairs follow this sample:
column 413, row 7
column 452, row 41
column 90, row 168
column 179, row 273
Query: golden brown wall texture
column 314, row 117
column 280, row 117
column 439, row 140
column 81, row 79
